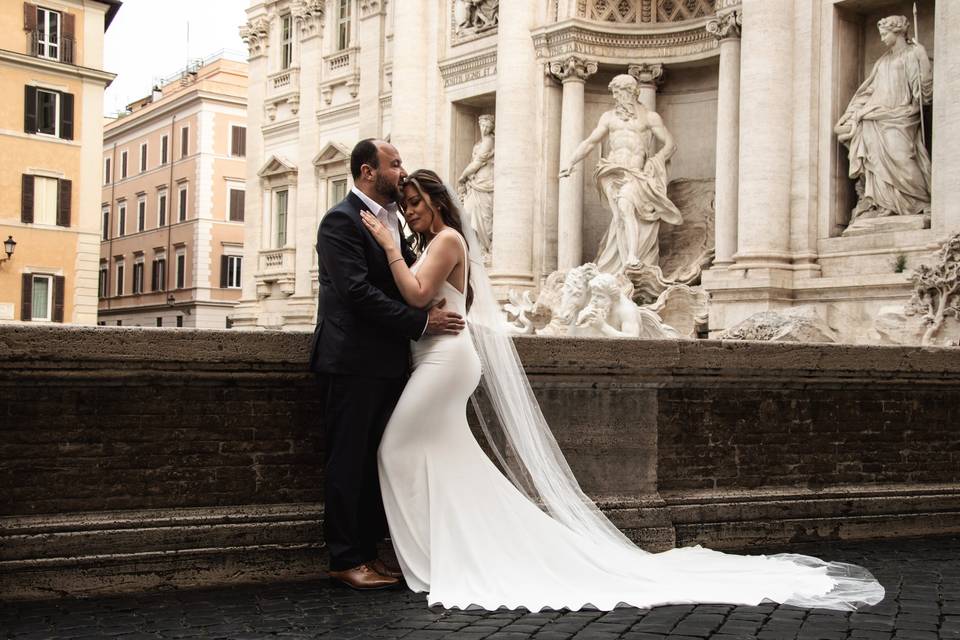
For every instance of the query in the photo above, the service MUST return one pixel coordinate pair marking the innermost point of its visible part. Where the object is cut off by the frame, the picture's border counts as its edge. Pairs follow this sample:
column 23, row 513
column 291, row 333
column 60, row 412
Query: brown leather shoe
column 363, row 578
column 381, row 567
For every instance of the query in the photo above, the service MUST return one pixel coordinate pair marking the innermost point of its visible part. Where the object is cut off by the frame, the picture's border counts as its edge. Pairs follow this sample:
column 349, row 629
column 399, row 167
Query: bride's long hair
column 427, row 182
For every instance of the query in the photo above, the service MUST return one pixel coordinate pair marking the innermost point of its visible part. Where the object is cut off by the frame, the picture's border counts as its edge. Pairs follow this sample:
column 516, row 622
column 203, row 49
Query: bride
column 469, row 536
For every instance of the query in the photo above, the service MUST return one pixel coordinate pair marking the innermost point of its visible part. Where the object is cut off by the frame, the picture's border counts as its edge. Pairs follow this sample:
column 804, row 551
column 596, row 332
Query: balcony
column 283, row 84
column 276, row 266
column 39, row 47
column 341, row 63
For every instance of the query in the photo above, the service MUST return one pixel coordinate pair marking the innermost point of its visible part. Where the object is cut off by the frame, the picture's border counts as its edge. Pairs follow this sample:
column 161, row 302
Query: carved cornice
column 474, row 67
column 309, row 15
column 726, row 25
column 370, row 8
column 256, row 35
column 722, row 5
column 647, row 73
column 572, row 68
column 622, row 44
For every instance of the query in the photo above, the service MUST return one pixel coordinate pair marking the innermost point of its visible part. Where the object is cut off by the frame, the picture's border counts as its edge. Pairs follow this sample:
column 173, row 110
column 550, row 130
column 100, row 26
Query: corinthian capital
column 646, row 73
column 572, row 68
column 727, row 25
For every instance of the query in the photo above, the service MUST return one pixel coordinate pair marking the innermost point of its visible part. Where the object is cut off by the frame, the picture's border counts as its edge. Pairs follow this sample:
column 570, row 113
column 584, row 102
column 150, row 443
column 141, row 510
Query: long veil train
column 534, row 463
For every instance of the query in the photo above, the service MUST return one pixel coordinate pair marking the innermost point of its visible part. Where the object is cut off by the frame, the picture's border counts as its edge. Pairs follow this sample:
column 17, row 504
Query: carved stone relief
column 475, row 17
column 309, row 15
column 255, row 34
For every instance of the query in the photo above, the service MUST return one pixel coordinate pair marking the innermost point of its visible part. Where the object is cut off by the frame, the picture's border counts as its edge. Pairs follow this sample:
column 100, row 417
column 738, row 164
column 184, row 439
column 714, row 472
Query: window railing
column 38, row 46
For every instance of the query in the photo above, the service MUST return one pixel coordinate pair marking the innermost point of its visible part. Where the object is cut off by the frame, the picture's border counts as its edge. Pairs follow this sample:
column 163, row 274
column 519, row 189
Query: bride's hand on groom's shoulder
column 443, row 323
column 380, row 233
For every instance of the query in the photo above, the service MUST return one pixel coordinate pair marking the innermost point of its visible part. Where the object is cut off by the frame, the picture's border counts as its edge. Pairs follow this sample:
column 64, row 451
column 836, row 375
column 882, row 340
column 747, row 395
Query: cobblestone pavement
column 922, row 578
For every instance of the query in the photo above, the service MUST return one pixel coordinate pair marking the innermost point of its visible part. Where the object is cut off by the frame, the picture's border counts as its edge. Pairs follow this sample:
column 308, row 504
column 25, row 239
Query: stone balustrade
column 150, row 458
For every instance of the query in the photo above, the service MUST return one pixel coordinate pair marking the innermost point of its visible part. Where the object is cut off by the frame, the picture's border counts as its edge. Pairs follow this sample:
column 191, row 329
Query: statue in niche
column 475, row 16
column 882, row 128
column 632, row 178
column 475, row 185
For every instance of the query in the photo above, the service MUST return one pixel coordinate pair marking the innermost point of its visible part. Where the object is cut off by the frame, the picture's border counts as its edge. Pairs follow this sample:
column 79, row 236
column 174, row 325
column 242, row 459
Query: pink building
column 173, row 173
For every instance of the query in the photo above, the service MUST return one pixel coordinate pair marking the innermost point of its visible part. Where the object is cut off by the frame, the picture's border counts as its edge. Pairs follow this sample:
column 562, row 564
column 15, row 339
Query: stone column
column 766, row 106
column 945, row 187
column 370, row 31
column 408, row 127
column 648, row 76
column 572, row 72
column 516, row 148
column 726, row 28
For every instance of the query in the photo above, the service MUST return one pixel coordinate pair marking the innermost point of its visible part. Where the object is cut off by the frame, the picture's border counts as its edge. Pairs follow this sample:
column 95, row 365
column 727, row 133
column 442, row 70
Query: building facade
column 750, row 91
column 172, row 207
column 51, row 135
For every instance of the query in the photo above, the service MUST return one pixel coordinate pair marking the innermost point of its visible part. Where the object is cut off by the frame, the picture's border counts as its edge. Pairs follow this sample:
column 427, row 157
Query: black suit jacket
column 363, row 325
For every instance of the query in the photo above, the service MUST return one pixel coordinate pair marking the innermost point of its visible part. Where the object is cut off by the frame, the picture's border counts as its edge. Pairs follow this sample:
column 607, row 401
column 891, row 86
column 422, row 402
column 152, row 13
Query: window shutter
column 153, row 276
column 66, row 42
column 66, row 116
column 29, row 17
column 236, row 205
column 29, row 109
column 223, row 272
column 64, row 191
column 58, row 282
column 242, row 136
column 26, row 199
column 26, row 297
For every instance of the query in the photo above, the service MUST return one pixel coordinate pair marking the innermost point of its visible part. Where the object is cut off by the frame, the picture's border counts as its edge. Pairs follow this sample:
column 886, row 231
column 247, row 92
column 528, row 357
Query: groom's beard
column 383, row 187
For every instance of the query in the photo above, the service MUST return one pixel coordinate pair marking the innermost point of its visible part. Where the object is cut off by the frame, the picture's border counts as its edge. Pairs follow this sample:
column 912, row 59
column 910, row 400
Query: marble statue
column 631, row 178
column 588, row 303
column 475, row 185
column 475, row 16
column 882, row 129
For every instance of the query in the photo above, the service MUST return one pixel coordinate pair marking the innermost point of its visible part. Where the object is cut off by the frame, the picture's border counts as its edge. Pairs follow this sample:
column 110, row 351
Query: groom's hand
column 443, row 323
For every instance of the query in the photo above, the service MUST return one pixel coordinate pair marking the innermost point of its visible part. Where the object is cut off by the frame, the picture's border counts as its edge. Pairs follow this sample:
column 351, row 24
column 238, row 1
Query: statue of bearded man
column 611, row 314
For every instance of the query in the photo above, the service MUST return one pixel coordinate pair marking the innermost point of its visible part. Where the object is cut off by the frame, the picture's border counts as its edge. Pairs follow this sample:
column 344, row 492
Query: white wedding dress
column 466, row 535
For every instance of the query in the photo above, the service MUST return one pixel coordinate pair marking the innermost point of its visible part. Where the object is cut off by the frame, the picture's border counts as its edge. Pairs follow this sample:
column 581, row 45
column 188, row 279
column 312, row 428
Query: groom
column 361, row 348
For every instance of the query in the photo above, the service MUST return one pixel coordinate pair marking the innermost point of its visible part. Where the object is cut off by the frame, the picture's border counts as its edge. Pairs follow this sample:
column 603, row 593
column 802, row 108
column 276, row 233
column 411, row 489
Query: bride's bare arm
column 419, row 289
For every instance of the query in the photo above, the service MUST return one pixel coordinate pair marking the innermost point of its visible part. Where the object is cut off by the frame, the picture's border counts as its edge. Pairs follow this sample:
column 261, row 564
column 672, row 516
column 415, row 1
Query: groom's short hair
column 365, row 152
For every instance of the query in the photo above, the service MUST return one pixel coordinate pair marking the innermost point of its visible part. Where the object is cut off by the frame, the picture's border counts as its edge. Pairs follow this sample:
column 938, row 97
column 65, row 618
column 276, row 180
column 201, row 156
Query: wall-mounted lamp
column 172, row 301
column 9, row 245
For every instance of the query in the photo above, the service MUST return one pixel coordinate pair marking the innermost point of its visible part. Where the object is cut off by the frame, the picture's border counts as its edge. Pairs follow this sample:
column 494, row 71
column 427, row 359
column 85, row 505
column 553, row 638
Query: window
column 47, row 108
column 106, row 171
column 42, row 297
column 105, row 229
column 164, row 148
column 48, row 112
column 48, row 33
column 123, row 165
column 122, row 219
column 338, row 190
column 159, row 321
column 45, row 200
column 230, row 271
column 238, row 141
column 141, row 214
column 162, row 209
column 179, row 321
column 184, row 141
column 280, row 230
column 45, row 195
column 286, row 41
column 158, row 274
column 120, row 277
column 103, row 285
column 143, row 157
column 237, row 204
column 138, row 276
column 181, row 269
column 343, row 24
column 182, row 207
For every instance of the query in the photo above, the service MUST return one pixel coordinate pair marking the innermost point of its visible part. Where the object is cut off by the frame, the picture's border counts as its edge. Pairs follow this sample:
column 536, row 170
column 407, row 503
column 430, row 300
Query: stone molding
column 647, row 73
column 727, row 25
column 572, row 69
column 309, row 15
column 621, row 44
column 371, row 8
column 256, row 35
column 475, row 67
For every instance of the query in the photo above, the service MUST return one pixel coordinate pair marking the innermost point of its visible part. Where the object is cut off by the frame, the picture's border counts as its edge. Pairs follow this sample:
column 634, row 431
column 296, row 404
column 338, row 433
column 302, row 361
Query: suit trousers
column 356, row 411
